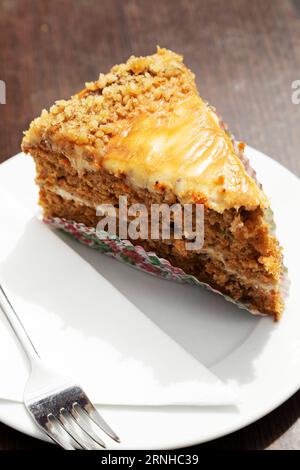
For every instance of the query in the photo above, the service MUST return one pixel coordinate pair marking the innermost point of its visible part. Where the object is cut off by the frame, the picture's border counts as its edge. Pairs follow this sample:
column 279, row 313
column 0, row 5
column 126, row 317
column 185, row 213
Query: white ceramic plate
column 260, row 359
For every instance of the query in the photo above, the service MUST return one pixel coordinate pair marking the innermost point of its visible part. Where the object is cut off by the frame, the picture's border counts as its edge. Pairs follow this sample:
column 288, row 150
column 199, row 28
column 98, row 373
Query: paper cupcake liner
column 133, row 255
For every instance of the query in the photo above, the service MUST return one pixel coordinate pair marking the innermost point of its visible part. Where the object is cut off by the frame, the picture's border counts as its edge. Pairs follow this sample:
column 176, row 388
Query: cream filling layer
column 71, row 197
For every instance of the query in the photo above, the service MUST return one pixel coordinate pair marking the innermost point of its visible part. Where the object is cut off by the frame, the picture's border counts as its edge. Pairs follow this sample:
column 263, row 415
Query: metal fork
column 57, row 404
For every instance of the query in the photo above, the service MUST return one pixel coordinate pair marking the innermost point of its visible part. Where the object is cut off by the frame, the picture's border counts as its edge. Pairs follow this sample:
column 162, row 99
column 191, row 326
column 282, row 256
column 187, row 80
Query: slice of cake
column 143, row 131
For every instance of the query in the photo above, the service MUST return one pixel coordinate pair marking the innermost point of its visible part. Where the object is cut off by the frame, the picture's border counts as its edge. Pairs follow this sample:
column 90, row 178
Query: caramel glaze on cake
column 143, row 131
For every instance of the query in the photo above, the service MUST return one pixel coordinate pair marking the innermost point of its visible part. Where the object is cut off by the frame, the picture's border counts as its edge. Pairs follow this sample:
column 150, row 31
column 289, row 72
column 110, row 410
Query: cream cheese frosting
column 187, row 152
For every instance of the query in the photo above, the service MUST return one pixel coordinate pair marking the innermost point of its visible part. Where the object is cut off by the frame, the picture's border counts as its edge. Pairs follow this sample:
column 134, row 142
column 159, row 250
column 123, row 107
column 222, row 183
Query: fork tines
column 70, row 419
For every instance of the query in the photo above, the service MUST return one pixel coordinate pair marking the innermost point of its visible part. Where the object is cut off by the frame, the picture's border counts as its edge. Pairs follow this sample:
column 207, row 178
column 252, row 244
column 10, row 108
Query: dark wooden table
column 246, row 54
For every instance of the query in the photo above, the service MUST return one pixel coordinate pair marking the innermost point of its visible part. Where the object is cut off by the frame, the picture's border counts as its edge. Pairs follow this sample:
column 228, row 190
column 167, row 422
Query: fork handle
column 18, row 327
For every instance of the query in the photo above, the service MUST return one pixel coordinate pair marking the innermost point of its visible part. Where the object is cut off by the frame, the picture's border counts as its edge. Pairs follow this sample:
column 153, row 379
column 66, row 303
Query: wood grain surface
column 246, row 55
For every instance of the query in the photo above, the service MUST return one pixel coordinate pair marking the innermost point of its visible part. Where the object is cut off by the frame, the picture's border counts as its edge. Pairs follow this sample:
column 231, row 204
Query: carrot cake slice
column 143, row 131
